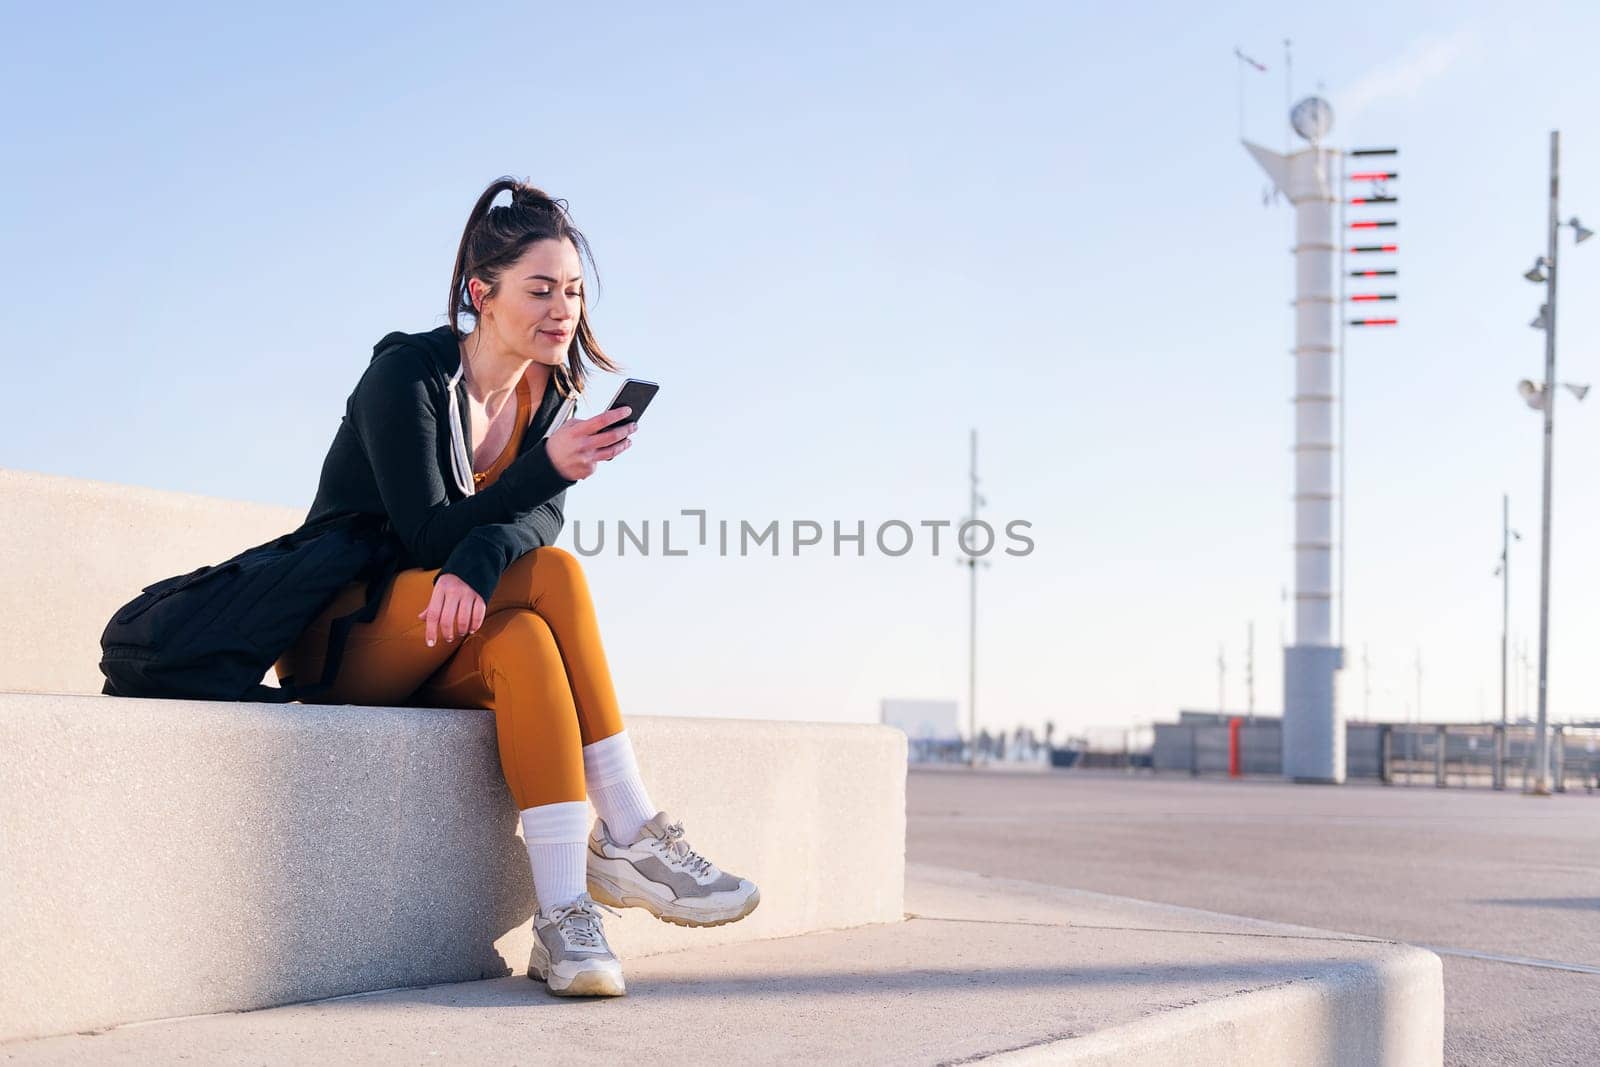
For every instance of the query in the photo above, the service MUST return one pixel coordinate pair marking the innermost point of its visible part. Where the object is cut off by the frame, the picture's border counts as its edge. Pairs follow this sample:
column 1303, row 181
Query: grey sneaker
column 570, row 952
column 660, row 873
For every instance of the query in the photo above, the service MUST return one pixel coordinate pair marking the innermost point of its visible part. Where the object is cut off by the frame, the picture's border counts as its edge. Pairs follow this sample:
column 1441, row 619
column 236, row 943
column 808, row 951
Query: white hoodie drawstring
column 460, row 461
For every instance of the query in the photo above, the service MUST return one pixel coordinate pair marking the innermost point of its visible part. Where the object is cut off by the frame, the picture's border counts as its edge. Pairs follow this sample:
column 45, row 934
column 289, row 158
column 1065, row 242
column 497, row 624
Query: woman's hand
column 581, row 444
column 454, row 608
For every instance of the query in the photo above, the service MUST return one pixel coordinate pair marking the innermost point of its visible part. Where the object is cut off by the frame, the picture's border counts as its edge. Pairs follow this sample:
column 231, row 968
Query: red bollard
column 1234, row 769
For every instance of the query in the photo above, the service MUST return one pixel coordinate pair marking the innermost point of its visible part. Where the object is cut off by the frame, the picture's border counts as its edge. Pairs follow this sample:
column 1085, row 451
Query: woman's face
column 534, row 312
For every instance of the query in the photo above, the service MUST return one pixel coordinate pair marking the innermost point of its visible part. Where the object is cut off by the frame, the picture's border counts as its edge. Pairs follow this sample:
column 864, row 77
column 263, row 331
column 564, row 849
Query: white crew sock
column 558, row 849
column 612, row 773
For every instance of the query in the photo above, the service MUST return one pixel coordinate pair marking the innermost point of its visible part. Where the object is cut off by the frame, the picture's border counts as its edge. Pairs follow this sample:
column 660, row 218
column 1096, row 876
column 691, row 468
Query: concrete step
column 170, row 857
column 982, row 969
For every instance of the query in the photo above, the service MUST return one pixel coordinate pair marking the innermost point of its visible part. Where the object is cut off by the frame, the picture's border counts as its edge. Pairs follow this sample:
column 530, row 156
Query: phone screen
column 636, row 393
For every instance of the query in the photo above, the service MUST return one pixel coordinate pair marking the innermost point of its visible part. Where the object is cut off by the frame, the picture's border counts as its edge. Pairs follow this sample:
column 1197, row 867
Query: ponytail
column 495, row 238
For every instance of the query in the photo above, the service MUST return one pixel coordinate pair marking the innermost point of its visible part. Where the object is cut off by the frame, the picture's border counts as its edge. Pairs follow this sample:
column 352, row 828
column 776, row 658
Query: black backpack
column 213, row 633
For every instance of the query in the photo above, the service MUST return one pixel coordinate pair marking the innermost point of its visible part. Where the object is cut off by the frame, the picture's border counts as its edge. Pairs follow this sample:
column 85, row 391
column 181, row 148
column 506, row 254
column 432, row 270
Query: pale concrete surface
column 1473, row 871
column 984, row 968
column 163, row 858
column 95, row 545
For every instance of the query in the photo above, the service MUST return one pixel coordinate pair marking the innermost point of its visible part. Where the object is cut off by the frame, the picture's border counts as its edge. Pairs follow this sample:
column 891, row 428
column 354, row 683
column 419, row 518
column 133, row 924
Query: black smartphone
column 635, row 394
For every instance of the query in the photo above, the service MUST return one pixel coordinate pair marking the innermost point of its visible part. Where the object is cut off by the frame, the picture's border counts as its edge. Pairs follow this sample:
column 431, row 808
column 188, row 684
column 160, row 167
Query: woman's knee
column 516, row 638
column 544, row 570
column 558, row 563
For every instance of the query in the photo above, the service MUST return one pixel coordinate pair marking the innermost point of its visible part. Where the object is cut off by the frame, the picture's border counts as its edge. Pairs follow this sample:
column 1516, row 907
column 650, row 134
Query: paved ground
column 1469, row 874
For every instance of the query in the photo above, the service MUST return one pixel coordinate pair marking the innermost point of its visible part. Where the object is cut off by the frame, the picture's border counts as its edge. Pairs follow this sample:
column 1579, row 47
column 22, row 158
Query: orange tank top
column 519, row 424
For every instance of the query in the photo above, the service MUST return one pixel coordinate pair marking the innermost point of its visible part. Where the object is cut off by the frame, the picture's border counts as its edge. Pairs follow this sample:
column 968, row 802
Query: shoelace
column 678, row 850
column 579, row 923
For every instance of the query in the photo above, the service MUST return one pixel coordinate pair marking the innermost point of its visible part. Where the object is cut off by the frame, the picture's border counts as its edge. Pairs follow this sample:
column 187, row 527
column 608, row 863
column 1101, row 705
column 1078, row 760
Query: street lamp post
column 1503, row 572
column 972, row 562
column 1547, row 397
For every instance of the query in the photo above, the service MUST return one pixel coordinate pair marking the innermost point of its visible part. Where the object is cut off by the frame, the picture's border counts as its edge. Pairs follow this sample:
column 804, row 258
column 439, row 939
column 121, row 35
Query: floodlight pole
column 1505, row 600
column 972, row 616
column 1541, row 747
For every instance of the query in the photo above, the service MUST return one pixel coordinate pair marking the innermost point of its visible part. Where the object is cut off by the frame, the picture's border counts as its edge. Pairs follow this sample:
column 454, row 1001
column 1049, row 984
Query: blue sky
column 840, row 237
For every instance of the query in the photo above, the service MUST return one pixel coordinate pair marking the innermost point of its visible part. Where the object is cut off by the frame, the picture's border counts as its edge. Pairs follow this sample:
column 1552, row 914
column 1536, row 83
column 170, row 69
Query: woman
column 450, row 435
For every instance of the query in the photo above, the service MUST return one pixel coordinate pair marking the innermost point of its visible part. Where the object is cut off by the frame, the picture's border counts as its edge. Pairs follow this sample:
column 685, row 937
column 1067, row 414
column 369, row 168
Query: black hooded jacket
column 402, row 451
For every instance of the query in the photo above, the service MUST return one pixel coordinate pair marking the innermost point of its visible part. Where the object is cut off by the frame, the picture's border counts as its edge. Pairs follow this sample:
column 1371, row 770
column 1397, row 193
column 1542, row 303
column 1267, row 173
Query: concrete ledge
column 163, row 858
column 1174, row 985
column 984, row 970
column 98, row 544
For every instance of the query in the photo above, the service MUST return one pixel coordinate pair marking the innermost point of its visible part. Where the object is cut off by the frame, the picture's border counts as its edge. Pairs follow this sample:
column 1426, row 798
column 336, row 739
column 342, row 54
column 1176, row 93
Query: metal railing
column 1442, row 755
column 1409, row 754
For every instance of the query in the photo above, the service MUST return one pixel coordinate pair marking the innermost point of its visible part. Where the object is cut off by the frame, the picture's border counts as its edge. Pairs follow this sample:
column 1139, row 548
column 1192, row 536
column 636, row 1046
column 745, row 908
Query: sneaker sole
column 607, row 891
column 591, row 982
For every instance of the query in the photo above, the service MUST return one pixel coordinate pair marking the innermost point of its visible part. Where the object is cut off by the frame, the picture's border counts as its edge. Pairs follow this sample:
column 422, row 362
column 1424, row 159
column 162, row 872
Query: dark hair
column 496, row 237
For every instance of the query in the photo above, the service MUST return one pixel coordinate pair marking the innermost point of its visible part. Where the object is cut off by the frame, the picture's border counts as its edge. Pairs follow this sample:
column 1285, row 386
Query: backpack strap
column 379, row 574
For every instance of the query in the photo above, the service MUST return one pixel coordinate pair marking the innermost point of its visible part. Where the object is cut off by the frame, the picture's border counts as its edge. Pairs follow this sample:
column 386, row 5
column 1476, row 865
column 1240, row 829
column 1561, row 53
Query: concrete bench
column 162, row 858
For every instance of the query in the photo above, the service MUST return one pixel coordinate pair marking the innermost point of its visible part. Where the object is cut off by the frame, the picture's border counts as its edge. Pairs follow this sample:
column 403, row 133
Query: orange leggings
column 536, row 662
